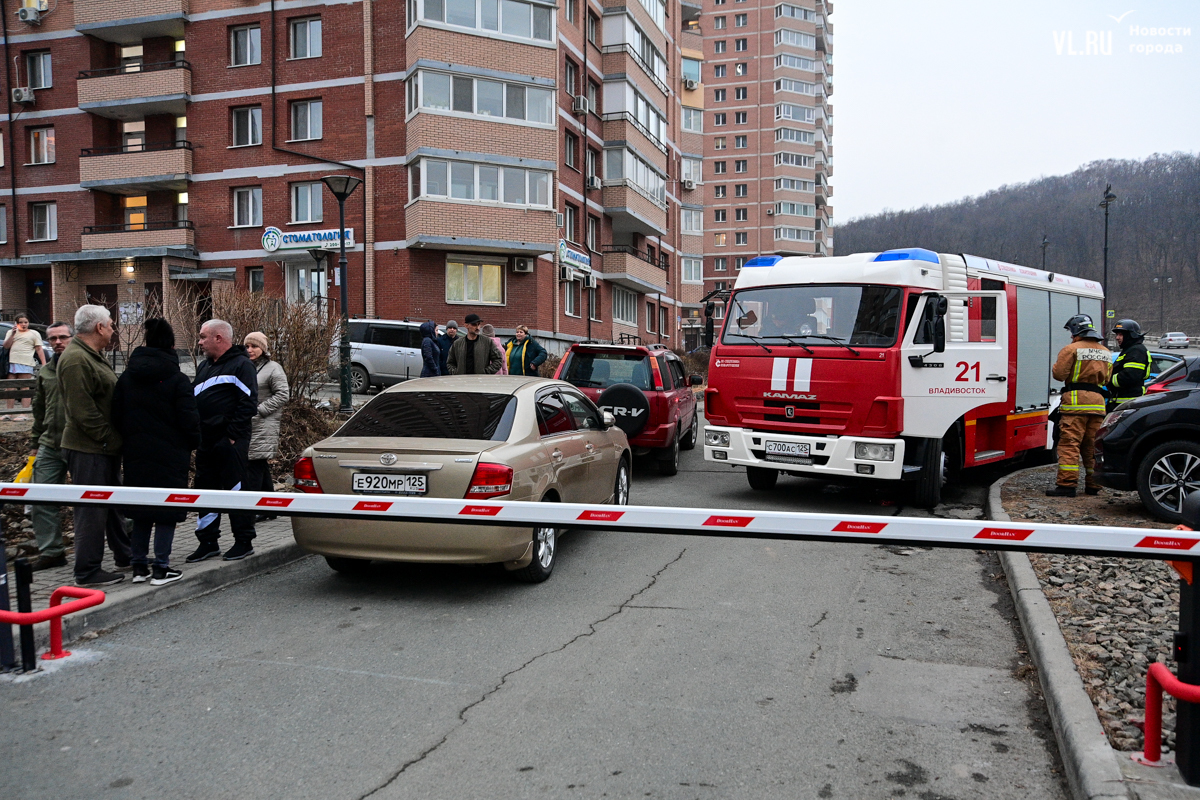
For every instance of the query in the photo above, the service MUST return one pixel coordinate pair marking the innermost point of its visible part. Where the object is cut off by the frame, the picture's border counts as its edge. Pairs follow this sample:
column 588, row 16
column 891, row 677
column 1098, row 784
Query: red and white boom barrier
column 1093, row 540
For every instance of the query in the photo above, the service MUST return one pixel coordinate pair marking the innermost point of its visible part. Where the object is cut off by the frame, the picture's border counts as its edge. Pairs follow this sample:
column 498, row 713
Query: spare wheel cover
column 628, row 404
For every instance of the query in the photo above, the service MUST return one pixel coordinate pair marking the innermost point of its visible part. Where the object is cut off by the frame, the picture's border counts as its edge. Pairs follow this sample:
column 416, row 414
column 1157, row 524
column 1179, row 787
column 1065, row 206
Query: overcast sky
column 942, row 99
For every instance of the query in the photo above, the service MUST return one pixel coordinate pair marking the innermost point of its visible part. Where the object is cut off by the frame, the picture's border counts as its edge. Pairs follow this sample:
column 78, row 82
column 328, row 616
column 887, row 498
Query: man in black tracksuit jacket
column 226, row 389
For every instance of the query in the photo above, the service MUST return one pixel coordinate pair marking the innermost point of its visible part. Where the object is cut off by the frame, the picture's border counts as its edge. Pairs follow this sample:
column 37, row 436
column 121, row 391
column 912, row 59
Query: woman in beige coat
column 273, row 394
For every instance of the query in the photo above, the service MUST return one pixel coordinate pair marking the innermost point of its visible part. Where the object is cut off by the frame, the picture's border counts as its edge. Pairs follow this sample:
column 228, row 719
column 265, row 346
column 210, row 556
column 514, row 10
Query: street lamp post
column 1108, row 200
column 342, row 186
column 1162, row 281
column 1045, row 244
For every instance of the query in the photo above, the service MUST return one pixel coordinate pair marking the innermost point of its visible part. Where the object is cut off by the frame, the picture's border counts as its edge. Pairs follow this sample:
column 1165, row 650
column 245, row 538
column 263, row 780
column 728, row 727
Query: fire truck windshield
column 815, row 315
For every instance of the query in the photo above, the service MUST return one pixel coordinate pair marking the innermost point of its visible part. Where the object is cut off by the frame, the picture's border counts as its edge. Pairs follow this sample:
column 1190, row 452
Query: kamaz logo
column 786, row 396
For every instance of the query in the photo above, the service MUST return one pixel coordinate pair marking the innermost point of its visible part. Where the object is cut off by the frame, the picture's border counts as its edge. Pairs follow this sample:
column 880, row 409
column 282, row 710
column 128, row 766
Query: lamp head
column 342, row 186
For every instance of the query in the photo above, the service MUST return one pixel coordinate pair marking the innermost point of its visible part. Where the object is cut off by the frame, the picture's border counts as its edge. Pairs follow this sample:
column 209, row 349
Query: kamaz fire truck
column 902, row 366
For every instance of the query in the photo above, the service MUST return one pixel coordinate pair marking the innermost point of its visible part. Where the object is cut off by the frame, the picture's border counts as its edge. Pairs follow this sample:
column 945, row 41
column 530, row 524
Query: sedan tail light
column 490, row 480
column 1164, row 386
column 306, row 476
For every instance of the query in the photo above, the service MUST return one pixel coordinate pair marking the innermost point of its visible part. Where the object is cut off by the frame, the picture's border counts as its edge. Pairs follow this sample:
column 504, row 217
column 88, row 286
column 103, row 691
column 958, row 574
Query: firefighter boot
column 1061, row 491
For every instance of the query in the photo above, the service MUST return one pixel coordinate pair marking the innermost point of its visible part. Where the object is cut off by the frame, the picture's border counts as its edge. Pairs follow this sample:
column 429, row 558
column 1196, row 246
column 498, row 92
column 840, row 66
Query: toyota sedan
column 470, row 437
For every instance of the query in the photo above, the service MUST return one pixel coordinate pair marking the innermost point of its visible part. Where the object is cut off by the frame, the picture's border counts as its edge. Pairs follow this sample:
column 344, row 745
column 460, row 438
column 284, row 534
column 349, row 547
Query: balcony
column 130, row 93
column 169, row 234
column 614, row 62
column 633, row 269
column 122, row 22
column 617, row 127
column 632, row 210
column 137, row 169
column 471, row 228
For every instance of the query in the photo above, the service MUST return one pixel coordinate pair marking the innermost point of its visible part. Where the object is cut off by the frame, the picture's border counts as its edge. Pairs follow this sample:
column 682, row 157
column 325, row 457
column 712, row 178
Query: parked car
column 646, row 389
column 474, row 437
column 1160, row 363
column 382, row 352
column 1173, row 339
column 1152, row 443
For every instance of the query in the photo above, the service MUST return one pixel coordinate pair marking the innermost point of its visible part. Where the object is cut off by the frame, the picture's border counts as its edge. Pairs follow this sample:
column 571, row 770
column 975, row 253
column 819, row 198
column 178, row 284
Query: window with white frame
column 796, row 39
column 739, row 45
column 693, row 270
column 740, row 238
column 306, row 37
column 571, row 77
column 41, row 145
column 650, row 316
column 3, row 224
column 739, row 262
column 795, row 62
column 719, row 71
column 593, row 233
column 720, row 215
column 795, row 87
column 247, row 207
column 594, row 304
column 740, row 93
column 589, row 163
column 692, row 220
column 624, row 164
column 739, row 21
column 795, row 12
column 740, row 189
column 719, row 119
column 572, row 9
column 509, row 18
column 572, row 298
column 664, row 322
column 307, row 202
column 690, row 69
column 719, row 191
column 718, row 142
column 658, row 12
column 247, row 126
column 719, row 264
column 741, row 214
column 740, row 165
column 463, row 94
column 720, row 46
column 693, row 120
column 793, row 160
column 794, row 184
column 720, row 239
column 43, row 222
column 38, row 70
column 306, row 120
column 796, row 209
column 739, row 118
column 624, row 306
column 740, row 142
column 719, row 95
column 692, row 169
column 720, row 167
column 571, row 150
column 794, row 112
column 720, row 23
column 571, row 222
column 794, row 135
column 482, row 183
column 741, row 68
column 475, row 280
column 794, row 234
column 245, row 45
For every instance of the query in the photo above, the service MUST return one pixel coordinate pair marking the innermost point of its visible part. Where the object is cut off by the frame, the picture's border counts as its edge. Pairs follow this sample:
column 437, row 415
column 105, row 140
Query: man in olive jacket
column 91, row 444
column 49, row 466
column 474, row 354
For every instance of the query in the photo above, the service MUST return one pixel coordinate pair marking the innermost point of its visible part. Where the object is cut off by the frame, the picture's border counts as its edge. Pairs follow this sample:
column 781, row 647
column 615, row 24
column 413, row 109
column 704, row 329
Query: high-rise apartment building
column 521, row 159
column 768, row 130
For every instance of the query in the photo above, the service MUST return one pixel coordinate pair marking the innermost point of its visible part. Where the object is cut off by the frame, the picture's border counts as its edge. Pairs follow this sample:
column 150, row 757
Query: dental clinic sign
column 274, row 239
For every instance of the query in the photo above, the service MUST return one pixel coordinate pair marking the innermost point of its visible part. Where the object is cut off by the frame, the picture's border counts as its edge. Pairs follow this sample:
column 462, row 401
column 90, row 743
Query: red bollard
column 1158, row 679
column 86, row 599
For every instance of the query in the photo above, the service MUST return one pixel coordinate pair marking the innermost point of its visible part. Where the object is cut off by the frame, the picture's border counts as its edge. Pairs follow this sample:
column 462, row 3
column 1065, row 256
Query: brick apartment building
column 520, row 159
column 768, row 130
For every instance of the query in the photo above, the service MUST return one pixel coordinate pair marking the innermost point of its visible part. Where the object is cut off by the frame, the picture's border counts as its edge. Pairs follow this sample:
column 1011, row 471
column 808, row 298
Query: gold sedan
column 474, row 437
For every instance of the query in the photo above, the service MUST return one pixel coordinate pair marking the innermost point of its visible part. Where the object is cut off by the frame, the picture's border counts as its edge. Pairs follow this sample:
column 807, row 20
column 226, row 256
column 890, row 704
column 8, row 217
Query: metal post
column 1109, row 198
column 8, row 658
column 1187, row 657
column 347, row 404
column 1045, row 243
column 24, row 576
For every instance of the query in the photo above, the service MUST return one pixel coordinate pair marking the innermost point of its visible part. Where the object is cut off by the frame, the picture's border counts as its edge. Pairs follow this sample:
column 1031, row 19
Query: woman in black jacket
column 431, row 354
column 155, row 412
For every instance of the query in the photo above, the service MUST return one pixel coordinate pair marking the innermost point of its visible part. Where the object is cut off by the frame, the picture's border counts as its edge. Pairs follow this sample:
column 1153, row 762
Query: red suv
column 646, row 388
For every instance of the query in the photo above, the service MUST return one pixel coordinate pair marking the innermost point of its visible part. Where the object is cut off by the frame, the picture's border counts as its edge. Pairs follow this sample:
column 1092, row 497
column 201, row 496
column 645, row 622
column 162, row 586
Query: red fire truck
column 902, row 366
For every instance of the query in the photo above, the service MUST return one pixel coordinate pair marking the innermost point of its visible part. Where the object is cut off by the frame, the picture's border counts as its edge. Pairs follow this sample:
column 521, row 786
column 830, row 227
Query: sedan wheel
column 545, row 549
column 1168, row 474
column 621, row 489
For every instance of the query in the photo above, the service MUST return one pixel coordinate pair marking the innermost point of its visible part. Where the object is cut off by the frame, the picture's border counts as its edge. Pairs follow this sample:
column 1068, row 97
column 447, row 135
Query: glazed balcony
column 123, row 22
column 137, row 169
column 624, row 58
column 166, row 234
column 134, row 93
column 622, row 126
column 633, row 269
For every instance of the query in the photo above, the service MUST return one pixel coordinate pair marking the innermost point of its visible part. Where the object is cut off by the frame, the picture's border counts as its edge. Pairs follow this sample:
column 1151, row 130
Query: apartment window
column 794, row 112
column 719, row 23
column 571, row 78
column 472, row 280
column 594, row 304
column 793, row 160
column 794, row 184
column 247, row 207
column 134, row 212
column 43, row 222
column 719, row 46
column 593, row 24
column 795, row 209
column 571, row 150
column 719, row 71
column 741, row 214
column 795, row 234
column 507, row 17
column 690, row 69
column 739, row 190
column 719, row 191
column 181, row 206
column 740, row 165
column 131, row 58
column 590, row 161
column 739, row 262
column 492, row 184
column 254, row 280
column 306, row 37
column 741, row 68
column 796, row 39
column 650, row 316
column 593, row 234
column 739, row 45
column 593, row 97
column 740, row 142
column 247, row 126
column 719, row 143
column 664, row 323
column 740, row 93
column 442, row 92
column 133, row 136
column 306, row 119
column 41, row 146
column 796, row 12
column 692, row 169
column 719, row 215
column 739, row 118
column 718, row 2
column 740, row 238
column 624, row 305
column 3, row 224
column 306, row 202
column 719, row 264
column 693, row 120
column 571, row 222
column 794, row 135
column 572, row 10
column 692, row 221
column 719, row 167
column 37, row 68
column 719, row 119
column 245, row 45
column 181, row 129
column 718, row 95
column 572, row 293
column 795, row 86
column 795, row 62
column 693, row 271
column 720, row 239
column 739, row 21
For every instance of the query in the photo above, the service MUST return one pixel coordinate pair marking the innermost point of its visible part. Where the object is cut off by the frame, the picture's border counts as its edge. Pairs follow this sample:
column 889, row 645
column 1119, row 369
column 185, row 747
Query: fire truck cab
column 902, row 366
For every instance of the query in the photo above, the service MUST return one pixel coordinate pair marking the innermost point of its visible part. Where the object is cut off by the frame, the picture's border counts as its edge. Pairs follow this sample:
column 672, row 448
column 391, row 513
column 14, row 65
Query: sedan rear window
column 601, row 370
column 435, row 415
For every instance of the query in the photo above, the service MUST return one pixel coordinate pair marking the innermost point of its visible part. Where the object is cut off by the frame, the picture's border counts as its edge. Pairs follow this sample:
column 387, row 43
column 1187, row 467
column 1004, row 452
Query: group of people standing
column 95, row 426
column 479, row 351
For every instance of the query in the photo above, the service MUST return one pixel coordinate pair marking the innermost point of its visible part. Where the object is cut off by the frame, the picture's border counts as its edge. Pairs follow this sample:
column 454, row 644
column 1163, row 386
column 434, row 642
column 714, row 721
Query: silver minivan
column 382, row 352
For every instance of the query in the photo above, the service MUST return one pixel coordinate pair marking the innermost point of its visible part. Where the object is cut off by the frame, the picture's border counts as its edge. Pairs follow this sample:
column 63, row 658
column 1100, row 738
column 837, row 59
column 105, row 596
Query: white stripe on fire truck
column 803, row 375
column 779, row 372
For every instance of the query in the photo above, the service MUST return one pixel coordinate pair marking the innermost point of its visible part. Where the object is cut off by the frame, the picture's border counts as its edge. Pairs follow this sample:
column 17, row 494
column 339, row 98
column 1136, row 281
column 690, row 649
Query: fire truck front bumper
column 841, row 456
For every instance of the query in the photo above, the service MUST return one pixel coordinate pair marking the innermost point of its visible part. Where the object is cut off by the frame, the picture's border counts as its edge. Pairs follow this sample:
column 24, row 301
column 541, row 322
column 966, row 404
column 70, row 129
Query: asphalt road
column 647, row 666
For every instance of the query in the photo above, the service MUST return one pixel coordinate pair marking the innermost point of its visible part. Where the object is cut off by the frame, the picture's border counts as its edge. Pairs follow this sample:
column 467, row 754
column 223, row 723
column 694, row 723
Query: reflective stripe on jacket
column 1085, row 361
column 1130, row 372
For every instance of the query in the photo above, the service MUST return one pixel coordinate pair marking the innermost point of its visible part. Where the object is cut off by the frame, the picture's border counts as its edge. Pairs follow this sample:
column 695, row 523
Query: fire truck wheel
column 926, row 491
column 762, row 479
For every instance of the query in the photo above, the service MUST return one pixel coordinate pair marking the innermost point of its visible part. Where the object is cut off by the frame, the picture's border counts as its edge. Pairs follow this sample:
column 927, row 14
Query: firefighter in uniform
column 1132, row 367
column 1084, row 367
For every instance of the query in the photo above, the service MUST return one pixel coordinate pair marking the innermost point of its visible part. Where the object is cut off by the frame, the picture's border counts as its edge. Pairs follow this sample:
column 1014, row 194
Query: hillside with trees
column 1154, row 231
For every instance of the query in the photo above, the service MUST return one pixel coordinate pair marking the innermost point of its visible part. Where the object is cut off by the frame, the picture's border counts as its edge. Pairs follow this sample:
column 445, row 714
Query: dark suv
column 648, row 391
column 1152, row 443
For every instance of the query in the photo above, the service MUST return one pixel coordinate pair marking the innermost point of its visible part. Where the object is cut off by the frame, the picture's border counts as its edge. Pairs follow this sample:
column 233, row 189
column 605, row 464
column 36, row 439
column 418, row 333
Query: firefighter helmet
column 1081, row 325
column 1130, row 328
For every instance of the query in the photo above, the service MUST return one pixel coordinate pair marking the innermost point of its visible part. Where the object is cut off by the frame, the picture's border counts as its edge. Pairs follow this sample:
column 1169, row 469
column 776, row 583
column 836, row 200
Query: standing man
column 474, row 354
column 445, row 342
column 1084, row 367
column 91, row 444
column 49, row 465
column 1132, row 367
column 226, row 390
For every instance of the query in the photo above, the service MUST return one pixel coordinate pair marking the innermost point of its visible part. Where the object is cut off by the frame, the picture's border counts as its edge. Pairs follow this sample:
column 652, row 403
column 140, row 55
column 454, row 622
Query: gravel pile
column 1117, row 615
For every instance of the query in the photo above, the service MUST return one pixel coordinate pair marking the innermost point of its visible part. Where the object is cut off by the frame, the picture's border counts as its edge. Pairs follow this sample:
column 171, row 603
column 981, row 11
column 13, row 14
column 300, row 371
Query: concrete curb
column 1093, row 771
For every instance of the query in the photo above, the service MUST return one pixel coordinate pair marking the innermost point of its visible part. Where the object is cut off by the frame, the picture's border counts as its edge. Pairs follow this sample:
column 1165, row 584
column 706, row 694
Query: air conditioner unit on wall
column 690, row 83
column 559, row 220
column 23, row 94
column 30, row 16
column 589, row 281
column 565, row 274
column 522, row 265
column 770, row 212
column 688, row 184
column 580, row 106
column 593, row 183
